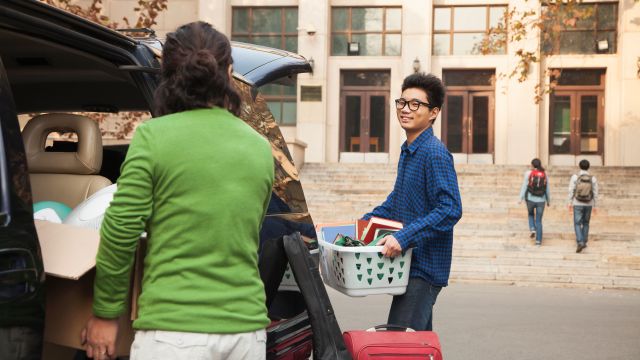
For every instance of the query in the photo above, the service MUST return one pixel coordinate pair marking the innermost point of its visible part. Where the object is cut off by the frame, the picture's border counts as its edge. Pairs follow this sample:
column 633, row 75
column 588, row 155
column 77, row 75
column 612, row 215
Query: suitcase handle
column 390, row 327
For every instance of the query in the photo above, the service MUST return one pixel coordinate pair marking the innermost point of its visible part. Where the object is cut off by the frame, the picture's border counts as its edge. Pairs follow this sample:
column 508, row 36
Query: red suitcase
column 405, row 345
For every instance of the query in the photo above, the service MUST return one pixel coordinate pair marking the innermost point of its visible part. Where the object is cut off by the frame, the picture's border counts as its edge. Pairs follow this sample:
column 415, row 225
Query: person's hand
column 570, row 208
column 391, row 247
column 548, row 204
column 99, row 338
column 595, row 211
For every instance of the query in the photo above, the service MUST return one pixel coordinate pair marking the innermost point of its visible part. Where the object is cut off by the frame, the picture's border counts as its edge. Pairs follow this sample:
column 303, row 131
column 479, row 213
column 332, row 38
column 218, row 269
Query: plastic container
column 288, row 282
column 361, row 271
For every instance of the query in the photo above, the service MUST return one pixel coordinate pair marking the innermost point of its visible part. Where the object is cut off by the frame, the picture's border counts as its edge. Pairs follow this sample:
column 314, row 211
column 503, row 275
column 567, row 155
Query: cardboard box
column 69, row 255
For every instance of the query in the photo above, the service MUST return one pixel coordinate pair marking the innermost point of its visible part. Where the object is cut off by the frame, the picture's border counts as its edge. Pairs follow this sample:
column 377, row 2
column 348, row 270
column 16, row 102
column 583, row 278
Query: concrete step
column 491, row 242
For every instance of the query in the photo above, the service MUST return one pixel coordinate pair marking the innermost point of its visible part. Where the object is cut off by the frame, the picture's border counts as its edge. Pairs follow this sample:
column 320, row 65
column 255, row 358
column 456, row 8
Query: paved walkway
column 498, row 322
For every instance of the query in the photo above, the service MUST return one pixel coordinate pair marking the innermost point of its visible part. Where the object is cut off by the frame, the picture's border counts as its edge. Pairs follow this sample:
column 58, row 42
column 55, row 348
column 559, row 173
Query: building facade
column 363, row 49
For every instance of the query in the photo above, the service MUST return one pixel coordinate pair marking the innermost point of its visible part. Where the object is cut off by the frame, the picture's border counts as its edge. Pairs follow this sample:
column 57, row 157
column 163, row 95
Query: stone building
column 362, row 50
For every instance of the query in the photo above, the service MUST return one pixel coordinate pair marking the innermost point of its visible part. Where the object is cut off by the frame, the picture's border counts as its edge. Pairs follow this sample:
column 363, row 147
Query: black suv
column 54, row 62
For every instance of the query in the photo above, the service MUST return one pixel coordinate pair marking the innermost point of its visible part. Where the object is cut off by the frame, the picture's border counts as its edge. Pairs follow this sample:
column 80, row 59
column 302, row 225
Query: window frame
column 349, row 31
column 451, row 30
column 282, row 97
column 555, row 47
column 250, row 34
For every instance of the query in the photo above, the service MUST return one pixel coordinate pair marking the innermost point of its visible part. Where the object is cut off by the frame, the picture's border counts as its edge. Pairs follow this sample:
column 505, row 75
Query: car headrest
column 86, row 161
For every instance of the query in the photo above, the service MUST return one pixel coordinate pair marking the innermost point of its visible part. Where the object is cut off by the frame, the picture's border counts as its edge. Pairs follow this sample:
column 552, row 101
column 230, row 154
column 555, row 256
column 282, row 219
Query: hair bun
column 195, row 63
column 201, row 60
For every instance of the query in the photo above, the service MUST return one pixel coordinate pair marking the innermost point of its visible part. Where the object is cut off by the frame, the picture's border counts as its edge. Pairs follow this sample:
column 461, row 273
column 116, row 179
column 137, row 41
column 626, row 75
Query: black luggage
column 328, row 343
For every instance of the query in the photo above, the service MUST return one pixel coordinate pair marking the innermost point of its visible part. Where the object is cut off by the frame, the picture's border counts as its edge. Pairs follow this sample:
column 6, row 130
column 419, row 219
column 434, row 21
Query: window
column 459, row 30
column 281, row 100
column 274, row 27
column 376, row 30
column 595, row 30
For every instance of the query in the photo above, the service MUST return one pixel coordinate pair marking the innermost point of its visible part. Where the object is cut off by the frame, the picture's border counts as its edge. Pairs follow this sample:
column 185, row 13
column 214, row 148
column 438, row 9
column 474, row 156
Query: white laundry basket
column 363, row 270
column 288, row 282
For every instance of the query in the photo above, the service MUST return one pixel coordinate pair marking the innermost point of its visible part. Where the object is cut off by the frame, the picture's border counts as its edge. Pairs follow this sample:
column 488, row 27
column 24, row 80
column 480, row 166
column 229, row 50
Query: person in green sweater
column 198, row 179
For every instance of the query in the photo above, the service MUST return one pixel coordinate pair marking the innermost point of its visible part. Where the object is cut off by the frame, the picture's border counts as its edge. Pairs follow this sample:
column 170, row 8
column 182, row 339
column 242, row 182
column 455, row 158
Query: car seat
column 66, row 177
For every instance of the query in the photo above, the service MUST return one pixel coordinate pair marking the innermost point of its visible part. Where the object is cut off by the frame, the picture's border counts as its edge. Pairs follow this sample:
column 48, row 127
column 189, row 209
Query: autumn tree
column 550, row 19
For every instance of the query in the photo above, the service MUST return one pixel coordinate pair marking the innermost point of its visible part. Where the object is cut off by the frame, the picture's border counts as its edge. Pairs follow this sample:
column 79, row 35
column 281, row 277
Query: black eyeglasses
column 414, row 104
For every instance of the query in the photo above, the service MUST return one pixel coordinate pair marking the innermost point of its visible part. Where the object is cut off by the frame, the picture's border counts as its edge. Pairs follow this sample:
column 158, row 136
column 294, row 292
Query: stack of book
column 363, row 232
column 373, row 230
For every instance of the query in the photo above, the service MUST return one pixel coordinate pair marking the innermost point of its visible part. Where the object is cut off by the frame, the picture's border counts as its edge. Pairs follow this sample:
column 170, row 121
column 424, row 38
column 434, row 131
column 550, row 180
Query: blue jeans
column 414, row 308
column 581, row 218
column 537, row 224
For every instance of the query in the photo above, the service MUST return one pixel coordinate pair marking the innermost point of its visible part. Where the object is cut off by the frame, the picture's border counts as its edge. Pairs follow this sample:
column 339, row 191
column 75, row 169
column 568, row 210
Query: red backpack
column 537, row 183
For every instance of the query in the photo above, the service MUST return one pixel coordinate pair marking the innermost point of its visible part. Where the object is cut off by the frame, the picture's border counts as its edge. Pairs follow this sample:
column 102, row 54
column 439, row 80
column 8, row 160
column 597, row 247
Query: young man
column 425, row 198
column 583, row 192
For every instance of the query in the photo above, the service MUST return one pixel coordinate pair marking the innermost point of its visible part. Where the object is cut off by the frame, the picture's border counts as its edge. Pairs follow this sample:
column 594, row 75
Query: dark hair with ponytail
column 537, row 164
column 195, row 64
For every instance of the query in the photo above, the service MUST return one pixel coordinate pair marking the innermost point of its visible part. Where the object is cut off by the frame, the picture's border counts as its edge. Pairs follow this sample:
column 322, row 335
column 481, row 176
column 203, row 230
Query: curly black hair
column 194, row 74
column 430, row 84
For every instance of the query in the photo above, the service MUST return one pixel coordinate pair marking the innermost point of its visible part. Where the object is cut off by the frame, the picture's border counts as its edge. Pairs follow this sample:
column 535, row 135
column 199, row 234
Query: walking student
column 426, row 199
column 535, row 191
column 202, row 296
column 583, row 191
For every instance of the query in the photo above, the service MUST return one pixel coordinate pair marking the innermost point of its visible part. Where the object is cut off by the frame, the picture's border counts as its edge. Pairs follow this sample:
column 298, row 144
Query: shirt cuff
column 402, row 240
column 106, row 313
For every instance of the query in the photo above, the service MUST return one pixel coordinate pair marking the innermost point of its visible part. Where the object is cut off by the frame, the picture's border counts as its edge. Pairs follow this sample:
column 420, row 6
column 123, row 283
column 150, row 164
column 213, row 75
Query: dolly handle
column 390, row 327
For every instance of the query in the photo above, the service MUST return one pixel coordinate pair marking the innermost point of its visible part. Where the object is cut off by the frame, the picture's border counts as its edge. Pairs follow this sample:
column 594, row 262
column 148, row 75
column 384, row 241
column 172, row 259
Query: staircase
column 491, row 242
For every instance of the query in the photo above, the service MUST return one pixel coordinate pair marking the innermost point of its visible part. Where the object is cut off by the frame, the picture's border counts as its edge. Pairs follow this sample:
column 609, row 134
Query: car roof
column 254, row 64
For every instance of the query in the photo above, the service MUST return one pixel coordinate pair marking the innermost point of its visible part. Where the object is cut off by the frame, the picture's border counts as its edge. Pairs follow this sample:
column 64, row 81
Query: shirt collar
column 421, row 139
column 582, row 172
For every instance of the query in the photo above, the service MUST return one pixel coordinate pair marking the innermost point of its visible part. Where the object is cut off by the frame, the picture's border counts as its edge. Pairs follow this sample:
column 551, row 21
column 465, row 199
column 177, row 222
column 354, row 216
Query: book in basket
column 368, row 234
column 362, row 270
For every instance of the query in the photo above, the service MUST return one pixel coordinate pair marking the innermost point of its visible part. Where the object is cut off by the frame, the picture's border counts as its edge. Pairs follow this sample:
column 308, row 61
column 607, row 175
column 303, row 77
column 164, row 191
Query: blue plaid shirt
column 426, row 199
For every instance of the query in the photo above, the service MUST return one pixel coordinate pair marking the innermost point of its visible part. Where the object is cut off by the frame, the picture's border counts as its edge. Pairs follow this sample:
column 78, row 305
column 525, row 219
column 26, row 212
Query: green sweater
column 199, row 182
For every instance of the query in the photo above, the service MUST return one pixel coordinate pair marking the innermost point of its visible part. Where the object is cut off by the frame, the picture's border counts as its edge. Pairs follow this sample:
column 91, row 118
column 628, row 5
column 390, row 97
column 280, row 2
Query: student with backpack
column 583, row 191
column 535, row 190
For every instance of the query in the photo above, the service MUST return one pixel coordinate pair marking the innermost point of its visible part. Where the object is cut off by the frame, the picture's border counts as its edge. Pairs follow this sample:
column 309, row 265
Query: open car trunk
column 56, row 62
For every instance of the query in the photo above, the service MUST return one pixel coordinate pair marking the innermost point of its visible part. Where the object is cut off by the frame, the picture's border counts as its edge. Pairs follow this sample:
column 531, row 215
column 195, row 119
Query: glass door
column 468, row 122
column 480, row 129
column 455, row 115
column 561, row 123
column 576, row 122
column 351, row 115
column 364, row 111
column 365, row 116
column 588, row 124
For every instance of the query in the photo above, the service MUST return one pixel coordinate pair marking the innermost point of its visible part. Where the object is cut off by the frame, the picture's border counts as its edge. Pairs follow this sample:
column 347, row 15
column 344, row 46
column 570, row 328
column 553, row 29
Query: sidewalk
column 495, row 322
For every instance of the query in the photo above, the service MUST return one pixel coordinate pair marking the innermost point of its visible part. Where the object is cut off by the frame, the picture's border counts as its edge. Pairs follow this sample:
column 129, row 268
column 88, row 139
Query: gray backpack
column 584, row 188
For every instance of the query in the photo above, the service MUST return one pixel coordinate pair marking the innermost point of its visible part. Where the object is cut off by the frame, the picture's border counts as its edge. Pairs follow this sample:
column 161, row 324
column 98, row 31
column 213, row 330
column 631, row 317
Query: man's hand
column 99, row 338
column 570, row 208
column 595, row 211
column 391, row 247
